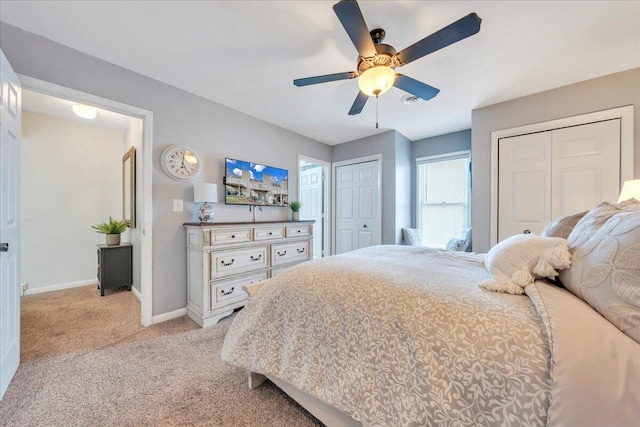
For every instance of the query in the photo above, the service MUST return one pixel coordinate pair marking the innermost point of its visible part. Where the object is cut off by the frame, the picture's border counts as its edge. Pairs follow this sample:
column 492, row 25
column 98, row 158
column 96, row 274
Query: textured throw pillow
column 457, row 244
column 562, row 226
column 519, row 260
column 411, row 236
column 466, row 234
column 605, row 271
column 593, row 220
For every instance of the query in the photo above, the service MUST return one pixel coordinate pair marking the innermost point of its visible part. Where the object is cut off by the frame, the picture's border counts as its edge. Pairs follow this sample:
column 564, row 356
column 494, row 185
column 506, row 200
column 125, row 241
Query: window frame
column 456, row 155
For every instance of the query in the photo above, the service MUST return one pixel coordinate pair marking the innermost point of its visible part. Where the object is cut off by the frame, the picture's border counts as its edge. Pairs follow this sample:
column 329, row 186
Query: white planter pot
column 113, row 239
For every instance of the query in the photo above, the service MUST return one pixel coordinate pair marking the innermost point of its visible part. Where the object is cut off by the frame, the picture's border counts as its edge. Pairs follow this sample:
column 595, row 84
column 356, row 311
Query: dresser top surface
column 212, row 224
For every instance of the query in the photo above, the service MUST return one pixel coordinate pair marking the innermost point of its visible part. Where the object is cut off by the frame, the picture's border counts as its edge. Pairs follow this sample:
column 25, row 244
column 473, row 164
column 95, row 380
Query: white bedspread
column 398, row 335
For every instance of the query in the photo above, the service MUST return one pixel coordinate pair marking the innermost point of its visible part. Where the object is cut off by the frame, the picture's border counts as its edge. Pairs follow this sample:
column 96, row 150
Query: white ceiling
column 245, row 54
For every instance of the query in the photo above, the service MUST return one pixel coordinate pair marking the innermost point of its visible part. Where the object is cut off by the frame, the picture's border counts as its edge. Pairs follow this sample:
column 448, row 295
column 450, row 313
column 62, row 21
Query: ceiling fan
column 377, row 61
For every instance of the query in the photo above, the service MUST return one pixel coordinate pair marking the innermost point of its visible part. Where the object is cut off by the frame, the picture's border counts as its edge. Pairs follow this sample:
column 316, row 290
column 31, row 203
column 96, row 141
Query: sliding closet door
column 524, row 184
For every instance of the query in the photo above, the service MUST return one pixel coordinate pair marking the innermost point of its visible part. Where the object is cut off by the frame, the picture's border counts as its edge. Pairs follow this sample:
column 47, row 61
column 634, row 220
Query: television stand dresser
column 223, row 257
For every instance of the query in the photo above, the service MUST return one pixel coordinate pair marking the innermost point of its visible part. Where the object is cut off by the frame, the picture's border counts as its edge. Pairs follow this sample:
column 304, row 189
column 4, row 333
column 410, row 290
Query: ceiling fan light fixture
column 376, row 80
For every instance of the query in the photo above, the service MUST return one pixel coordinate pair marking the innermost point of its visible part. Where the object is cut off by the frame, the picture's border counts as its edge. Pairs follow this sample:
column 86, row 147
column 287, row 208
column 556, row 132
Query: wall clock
column 180, row 163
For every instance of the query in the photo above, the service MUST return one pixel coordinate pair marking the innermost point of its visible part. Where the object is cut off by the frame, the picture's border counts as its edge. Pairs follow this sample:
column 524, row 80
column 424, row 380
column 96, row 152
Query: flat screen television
column 248, row 183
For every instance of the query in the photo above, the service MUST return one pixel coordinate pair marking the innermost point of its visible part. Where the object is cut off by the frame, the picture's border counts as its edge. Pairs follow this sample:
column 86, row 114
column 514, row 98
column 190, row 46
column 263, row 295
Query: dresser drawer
column 225, row 237
column 289, row 252
column 298, row 230
column 268, row 233
column 230, row 290
column 226, row 263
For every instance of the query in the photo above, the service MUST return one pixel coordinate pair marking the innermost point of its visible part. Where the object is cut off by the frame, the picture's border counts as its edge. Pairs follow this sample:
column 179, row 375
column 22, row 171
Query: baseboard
column 136, row 293
column 170, row 315
column 61, row 286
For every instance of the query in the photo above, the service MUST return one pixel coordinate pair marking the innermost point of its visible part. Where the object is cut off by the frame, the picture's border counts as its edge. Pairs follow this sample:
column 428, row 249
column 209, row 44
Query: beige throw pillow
column 606, row 271
column 519, row 260
column 562, row 226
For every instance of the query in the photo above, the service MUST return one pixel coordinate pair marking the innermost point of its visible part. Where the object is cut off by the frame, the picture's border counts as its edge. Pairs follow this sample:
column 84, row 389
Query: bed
column 403, row 335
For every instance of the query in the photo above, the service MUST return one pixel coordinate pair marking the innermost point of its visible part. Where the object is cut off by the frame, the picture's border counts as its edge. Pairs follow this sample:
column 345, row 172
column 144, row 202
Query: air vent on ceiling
column 410, row 99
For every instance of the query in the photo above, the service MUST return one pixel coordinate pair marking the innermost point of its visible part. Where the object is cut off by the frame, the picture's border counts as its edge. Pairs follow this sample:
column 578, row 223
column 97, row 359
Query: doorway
column 313, row 192
column 142, row 233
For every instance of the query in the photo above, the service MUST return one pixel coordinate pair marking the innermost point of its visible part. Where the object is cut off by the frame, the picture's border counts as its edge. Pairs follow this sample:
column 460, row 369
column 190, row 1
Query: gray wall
column 442, row 144
column 212, row 130
column 404, row 191
column 614, row 90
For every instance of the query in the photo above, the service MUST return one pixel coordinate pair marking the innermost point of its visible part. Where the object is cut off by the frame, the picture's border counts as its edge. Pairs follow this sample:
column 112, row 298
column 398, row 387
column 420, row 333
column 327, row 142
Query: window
column 444, row 195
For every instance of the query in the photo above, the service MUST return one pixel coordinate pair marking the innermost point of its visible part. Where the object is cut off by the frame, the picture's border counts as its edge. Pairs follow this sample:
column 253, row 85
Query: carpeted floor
column 86, row 360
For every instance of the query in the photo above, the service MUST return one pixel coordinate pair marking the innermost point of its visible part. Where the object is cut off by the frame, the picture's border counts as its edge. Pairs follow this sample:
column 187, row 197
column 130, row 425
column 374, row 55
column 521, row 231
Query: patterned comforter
column 399, row 335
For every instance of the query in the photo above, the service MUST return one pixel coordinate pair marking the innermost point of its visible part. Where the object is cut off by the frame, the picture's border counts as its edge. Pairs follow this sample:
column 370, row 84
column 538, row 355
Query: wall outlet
column 23, row 288
column 178, row 205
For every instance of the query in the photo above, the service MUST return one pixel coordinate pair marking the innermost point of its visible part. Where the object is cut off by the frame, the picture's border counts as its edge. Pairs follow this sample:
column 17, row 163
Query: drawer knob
column 300, row 250
column 270, row 233
column 282, row 253
column 256, row 259
column 233, row 236
column 226, row 264
column 299, row 231
column 227, row 293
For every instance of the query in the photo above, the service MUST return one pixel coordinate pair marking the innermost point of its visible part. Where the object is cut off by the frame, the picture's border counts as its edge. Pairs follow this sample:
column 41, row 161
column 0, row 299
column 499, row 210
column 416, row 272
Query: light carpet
column 87, row 361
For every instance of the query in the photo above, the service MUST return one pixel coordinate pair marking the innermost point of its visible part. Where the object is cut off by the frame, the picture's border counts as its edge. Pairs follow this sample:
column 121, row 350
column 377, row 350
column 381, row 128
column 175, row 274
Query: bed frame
column 329, row 415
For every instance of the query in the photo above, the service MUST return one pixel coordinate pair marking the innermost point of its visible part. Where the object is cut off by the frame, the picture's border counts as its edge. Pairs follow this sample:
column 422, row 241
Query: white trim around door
column 146, row 213
column 625, row 114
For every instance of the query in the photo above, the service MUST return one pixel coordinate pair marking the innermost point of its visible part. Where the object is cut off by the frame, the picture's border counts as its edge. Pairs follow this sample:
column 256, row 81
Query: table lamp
column 630, row 190
column 206, row 194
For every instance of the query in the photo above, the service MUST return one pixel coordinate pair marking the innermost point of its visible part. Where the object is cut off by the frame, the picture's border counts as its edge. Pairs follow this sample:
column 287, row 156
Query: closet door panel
column 585, row 167
column 524, row 186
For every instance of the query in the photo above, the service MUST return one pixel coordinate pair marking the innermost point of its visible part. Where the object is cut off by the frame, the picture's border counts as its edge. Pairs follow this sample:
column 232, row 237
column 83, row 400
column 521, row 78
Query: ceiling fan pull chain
column 376, row 111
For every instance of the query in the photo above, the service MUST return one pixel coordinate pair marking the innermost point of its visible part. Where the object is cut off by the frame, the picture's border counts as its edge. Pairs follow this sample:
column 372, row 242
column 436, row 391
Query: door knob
column 365, row 225
column 527, row 231
column 4, row 247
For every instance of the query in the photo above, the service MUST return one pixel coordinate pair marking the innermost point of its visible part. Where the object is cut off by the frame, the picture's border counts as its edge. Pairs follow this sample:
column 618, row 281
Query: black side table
column 114, row 267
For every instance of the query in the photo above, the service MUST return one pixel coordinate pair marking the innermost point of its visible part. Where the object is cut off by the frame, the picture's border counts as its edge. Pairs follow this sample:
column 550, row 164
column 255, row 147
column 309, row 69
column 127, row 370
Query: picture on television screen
column 249, row 183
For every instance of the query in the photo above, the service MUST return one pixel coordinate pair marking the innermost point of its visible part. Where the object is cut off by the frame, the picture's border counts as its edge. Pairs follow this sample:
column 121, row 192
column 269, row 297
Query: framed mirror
column 129, row 187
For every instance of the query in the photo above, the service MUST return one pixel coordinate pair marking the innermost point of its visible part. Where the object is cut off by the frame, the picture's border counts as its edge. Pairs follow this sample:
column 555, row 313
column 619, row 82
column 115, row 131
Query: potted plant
column 295, row 209
column 112, row 230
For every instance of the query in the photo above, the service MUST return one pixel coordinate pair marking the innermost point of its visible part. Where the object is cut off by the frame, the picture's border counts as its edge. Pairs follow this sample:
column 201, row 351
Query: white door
column 524, row 184
column 585, row 167
column 9, row 223
column 554, row 173
column 358, row 222
column 312, row 198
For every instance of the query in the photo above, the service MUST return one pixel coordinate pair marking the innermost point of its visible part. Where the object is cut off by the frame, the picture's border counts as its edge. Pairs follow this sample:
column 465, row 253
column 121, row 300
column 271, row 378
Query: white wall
column 71, row 180
column 133, row 138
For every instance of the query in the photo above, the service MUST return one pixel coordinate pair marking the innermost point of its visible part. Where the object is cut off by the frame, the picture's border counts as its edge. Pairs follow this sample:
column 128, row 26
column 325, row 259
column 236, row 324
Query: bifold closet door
column 524, row 184
column 585, row 167
column 559, row 172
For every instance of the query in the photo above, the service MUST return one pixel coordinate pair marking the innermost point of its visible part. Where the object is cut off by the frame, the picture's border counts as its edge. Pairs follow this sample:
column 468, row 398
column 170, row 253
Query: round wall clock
column 180, row 163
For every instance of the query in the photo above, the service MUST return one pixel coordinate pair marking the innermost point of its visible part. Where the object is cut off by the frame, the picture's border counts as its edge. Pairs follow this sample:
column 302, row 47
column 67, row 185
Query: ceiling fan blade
column 351, row 18
column 358, row 104
column 415, row 87
column 459, row 30
column 326, row 78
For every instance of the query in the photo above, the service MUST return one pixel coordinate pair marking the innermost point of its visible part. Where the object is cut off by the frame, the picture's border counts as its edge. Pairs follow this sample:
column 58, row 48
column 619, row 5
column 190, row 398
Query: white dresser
column 223, row 257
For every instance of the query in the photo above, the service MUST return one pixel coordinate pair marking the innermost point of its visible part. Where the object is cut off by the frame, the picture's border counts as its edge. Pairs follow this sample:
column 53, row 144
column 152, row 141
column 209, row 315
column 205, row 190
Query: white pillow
column 519, row 260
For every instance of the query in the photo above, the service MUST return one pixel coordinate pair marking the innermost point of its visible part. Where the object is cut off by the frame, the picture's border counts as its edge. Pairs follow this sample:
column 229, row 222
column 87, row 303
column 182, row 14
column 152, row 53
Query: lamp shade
column 630, row 190
column 205, row 192
column 376, row 80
